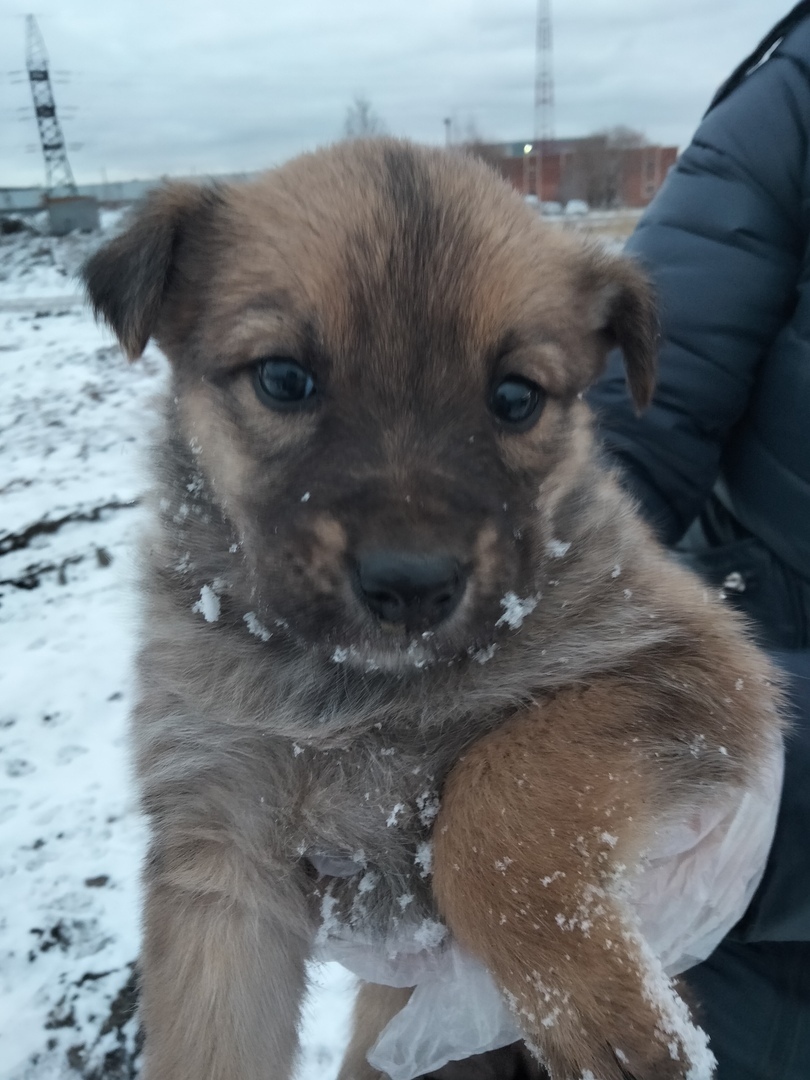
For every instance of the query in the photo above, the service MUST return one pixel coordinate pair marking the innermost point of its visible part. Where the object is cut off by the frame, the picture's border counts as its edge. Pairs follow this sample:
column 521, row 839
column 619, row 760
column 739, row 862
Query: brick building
column 593, row 169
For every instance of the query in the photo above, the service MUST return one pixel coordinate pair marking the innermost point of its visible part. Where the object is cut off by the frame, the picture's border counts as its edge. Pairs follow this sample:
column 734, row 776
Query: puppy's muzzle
column 410, row 590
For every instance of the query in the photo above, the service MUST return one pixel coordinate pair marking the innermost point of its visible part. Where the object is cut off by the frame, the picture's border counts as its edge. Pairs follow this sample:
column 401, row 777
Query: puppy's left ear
column 623, row 313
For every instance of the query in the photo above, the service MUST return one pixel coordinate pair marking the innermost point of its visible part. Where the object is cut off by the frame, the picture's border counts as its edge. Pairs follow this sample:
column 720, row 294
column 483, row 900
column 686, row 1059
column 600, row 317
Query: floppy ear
column 623, row 313
column 127, row 279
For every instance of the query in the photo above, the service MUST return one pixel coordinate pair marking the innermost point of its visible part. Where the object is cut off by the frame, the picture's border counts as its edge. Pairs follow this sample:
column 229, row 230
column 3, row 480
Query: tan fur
column 281, row 722
column 541, row 818
column 373, row 1008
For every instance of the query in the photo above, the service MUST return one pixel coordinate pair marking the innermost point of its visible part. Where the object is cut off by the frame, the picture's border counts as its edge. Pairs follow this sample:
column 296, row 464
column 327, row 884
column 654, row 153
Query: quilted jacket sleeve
column 724, row 243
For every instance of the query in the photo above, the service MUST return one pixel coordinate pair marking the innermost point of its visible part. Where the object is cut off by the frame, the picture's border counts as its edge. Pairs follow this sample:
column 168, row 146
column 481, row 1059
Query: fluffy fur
column 279, row 721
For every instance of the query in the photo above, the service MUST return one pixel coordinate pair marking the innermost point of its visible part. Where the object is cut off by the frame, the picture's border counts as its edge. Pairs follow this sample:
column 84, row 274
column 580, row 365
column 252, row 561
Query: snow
column 255, row 627
column 558, row 549
column 424, row 858
column 516, row 610
column 208, row 605
column 428, row 806
column 430, row 934
column 483, row 656
column 74, row 417
column 675, row 1022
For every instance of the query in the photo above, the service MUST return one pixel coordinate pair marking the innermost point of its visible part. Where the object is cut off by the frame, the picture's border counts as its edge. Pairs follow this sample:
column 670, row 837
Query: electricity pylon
column 543, row 91
column 58, row 173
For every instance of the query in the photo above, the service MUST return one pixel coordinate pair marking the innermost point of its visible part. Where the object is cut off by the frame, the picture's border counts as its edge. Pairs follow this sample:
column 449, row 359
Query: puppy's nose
column 417, row 590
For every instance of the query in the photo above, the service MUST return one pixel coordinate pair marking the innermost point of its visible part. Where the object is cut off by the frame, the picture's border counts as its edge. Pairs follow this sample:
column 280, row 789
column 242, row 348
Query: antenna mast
column 58, row 174
column 543, row 91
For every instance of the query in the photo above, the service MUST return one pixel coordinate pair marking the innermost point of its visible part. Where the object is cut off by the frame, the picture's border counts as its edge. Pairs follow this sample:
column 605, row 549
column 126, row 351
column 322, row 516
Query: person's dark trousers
column 754, row 990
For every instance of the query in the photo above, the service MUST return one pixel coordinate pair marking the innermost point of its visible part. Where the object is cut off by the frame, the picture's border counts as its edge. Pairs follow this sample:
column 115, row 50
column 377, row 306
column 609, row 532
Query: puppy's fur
column 279, row 721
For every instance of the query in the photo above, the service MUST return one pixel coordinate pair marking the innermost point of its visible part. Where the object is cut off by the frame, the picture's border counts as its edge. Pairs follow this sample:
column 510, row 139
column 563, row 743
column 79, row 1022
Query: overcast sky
column 192, row 86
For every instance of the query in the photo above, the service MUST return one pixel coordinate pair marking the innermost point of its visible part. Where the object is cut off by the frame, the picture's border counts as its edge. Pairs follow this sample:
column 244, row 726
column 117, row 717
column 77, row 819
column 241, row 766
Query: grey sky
column 190, row 86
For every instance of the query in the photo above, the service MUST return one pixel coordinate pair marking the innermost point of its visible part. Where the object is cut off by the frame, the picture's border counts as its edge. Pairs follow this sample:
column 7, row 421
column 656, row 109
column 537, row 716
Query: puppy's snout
column 418, row 591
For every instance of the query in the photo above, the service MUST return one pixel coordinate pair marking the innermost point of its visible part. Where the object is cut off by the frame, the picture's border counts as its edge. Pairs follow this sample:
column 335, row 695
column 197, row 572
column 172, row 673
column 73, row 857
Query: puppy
column 383, row 546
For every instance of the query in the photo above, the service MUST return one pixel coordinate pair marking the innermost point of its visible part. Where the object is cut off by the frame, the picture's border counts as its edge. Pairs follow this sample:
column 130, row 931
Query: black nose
column 417, row 590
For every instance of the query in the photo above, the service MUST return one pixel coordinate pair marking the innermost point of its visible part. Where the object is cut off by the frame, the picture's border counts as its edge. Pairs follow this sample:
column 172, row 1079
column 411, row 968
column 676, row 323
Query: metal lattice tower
column 543, row 89
column 58, row 174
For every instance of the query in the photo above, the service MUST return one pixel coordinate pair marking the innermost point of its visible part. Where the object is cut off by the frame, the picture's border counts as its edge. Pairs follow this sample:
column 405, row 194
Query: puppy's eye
column 281, row 383
column 517, row 402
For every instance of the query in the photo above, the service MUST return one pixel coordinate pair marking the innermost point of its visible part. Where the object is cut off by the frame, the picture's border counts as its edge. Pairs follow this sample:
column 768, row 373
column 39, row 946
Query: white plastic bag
column 456, row 1013
column 703, row 872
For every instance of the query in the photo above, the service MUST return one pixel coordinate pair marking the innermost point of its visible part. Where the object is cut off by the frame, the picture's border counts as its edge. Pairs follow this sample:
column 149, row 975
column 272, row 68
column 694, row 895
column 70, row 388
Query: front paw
column 626, row 1022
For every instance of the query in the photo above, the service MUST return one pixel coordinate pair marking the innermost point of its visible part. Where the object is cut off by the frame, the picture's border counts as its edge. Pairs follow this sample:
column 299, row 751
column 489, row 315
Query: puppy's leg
column 536, row 822
column 374, row 1007
column 222, row 969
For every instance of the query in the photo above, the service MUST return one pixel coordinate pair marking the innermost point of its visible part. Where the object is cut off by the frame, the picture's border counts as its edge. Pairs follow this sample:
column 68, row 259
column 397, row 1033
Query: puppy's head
column 378, row 353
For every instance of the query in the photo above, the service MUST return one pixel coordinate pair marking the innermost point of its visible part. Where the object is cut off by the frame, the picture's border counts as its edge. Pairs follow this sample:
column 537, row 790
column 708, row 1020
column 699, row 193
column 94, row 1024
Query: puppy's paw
column 632, row 1025
column 624, row 1058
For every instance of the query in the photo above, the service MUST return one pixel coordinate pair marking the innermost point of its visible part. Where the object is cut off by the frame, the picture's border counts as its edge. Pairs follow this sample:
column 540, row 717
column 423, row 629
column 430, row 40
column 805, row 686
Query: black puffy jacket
column 727, row 438
column 720, row 464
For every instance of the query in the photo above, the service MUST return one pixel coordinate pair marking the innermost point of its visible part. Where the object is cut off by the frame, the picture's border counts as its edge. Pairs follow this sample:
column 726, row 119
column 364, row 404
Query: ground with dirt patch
column 74, row 419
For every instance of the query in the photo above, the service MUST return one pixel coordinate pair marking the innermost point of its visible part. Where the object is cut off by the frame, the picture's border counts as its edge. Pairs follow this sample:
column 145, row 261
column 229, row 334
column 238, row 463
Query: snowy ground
column 73, row 418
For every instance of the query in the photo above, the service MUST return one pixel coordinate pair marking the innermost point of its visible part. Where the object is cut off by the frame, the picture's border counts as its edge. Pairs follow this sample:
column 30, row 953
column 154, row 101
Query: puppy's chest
column 366, row 836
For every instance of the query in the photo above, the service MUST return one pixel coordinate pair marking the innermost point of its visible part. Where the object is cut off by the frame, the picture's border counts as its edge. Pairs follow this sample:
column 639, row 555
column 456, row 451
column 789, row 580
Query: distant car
column 576, row 208
column 531, row 200
column 552, row 209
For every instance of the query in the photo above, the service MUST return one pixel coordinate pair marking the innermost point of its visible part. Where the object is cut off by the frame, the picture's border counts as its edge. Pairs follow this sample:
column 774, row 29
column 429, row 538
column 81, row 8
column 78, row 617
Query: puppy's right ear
column 623, row 312
column 127, row 280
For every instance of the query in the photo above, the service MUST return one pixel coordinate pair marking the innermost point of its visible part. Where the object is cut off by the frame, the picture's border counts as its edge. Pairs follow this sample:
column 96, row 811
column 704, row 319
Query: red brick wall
column 521, row 172
column 644, row 170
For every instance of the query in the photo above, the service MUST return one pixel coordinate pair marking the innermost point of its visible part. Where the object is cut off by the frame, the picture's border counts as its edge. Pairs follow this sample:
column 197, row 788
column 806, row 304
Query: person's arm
column 723, row 243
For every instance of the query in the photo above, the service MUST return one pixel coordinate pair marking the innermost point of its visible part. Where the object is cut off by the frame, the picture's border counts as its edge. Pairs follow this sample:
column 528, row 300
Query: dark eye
column 281, row 383
column 517, row 402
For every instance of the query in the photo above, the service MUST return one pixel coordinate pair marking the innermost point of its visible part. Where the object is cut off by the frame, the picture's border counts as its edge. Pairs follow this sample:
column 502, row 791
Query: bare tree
column 361, row 119
column 486, row 152
column 477, row 146
column 596, row 169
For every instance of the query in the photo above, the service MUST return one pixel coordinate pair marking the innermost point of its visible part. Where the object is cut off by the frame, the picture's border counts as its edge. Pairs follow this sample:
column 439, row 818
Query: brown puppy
column 381, row 535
